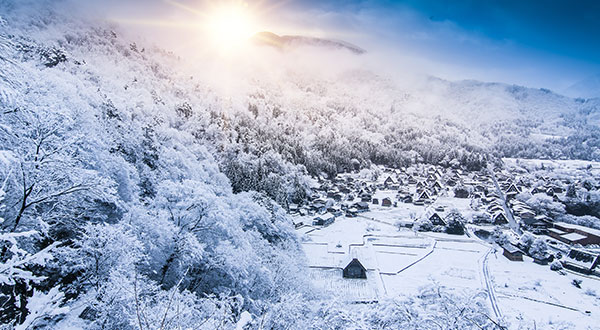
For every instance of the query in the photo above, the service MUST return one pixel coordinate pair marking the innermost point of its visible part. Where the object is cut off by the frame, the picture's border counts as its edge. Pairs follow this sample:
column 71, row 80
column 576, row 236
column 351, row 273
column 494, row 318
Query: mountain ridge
column 290, row 41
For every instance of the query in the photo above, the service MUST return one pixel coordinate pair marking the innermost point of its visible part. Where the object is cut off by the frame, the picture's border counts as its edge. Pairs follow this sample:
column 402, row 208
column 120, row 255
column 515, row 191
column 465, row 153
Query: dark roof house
column 437, row 220
column 386, row 202
column 354, row 270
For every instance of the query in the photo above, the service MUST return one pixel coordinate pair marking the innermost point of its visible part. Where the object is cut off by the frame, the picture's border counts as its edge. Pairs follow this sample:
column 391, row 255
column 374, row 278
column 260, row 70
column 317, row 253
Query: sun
column 230, row 24
column 221, row 25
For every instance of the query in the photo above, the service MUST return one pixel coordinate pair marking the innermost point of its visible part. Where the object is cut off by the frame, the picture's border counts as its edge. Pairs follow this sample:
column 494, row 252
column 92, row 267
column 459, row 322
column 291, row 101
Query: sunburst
column 226, row 25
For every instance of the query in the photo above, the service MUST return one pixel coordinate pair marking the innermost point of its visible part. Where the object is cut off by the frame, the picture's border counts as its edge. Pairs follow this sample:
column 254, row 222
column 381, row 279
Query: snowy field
column 401, row 261
column 531, row 291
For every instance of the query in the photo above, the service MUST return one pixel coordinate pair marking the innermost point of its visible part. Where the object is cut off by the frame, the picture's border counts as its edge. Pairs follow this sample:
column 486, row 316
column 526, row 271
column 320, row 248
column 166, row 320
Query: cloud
column 535, row 44
column 539, row 44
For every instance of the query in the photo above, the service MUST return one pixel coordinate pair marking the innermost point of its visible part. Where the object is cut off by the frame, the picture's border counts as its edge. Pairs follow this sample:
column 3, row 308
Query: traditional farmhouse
column 361, row 206
column 499, row 218
column 365, row 197
column 352, row 212
column 424, row 195
column 355, row 270
column 336, row 210
column 512, row 191
column 538, row 190
column 293, row 208
column 437, row 220
column 389, row 182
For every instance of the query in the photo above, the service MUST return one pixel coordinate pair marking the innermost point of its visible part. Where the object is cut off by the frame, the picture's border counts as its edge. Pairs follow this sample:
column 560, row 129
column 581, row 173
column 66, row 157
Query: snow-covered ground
column 401, row 261
column 534, row 292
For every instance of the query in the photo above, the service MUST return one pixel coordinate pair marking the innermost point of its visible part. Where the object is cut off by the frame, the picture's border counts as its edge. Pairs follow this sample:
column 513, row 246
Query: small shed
column 386, row 202
column 324, row 219
column 352, row 212
column 355, row 269
column 361, row 206
column 512, row 253
column 297, row 222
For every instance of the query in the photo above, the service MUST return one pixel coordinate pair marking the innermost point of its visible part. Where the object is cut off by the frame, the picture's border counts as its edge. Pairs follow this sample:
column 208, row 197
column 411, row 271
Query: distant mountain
column 586, row 88
column 290, row 41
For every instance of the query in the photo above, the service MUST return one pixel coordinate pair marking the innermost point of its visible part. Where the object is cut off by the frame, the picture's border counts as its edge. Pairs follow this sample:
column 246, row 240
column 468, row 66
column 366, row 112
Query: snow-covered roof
column 574, row 237
column 592, row 231
column 556, row 231
column 511, row 248
column 325, row 216
column 581, row 258
column 363, row 256
column 499, row 213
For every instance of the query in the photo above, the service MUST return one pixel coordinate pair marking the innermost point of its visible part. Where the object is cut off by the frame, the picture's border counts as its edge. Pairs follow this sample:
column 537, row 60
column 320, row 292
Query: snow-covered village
column 299, row 165
column 374, row 232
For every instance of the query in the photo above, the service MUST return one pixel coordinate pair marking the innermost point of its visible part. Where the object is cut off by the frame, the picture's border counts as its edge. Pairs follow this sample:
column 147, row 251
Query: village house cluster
column 493, row 205
column 579, row 246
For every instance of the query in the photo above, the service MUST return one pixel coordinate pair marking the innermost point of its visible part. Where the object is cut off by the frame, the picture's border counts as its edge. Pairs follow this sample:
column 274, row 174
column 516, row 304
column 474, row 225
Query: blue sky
column 537, row 43
column 551, row 44
column 570, row 28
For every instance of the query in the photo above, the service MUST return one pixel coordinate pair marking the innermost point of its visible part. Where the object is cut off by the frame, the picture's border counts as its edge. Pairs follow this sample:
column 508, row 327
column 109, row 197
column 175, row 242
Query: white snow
column 399, row 262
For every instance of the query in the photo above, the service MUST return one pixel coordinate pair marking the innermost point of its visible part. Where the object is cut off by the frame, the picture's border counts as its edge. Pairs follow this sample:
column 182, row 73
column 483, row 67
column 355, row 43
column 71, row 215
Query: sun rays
column 222, row 26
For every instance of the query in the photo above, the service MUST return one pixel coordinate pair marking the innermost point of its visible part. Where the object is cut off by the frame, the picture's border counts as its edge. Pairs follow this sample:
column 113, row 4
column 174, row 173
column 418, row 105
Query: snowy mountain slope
column 586, row 88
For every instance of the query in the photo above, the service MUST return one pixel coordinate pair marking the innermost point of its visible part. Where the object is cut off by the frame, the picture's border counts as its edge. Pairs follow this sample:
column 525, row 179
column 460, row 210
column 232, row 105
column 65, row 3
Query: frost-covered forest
column 137, row 193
